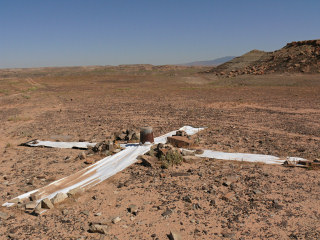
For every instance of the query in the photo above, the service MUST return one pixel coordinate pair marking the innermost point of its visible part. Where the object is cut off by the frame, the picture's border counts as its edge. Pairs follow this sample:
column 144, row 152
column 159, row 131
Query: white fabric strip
column 101, row 170
column 247, row 157
column 39, row 143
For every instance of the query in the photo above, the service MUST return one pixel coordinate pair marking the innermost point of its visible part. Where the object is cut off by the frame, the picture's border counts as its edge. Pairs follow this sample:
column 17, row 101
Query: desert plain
column 276, row 114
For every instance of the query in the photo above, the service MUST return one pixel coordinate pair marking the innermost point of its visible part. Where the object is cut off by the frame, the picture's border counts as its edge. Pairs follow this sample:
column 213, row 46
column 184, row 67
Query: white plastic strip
column 50, row 144
column 247, row 157
column 99, row 171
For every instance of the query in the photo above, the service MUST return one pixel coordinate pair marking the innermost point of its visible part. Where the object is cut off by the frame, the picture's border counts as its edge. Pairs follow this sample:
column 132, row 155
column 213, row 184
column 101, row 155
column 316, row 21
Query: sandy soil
column 211, row 199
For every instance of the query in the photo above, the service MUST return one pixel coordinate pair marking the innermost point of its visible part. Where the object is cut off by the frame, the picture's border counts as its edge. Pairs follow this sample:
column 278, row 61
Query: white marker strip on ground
column 247, row 157
column 50, row 144
column 99, row 171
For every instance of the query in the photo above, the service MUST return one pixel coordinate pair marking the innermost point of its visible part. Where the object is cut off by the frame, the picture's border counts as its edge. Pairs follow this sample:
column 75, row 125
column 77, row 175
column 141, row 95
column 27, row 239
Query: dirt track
column 272, row 114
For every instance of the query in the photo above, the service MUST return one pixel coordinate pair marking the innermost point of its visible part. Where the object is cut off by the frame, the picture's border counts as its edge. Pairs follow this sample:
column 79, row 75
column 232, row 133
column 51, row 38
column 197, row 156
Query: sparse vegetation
column 172, row 158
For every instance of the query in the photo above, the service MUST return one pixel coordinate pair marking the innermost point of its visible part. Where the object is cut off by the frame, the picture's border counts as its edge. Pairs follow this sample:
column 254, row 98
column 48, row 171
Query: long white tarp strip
column 50, row 144
column 247, row 157
column 101, row 170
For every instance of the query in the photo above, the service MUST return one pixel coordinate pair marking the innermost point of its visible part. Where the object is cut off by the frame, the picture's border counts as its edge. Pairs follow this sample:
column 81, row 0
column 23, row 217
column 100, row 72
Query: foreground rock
column 60, row 197
column 97, row 228
column 4, row 215
column 175, row 236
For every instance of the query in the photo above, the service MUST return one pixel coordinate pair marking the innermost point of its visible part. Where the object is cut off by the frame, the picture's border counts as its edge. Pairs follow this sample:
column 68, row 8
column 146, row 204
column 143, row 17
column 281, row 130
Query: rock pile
column 170, row 154
column 127, row 135
column 295, row 57
column 109, row 146
column 34, row 206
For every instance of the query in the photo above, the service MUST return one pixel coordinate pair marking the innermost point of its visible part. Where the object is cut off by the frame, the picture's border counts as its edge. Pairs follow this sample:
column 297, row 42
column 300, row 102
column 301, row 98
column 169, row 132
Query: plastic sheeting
column 247, row 157
column 50, row 144
column 101, row 170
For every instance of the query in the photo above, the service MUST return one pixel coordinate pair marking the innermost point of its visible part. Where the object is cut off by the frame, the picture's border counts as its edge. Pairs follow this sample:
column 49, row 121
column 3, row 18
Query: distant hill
column 295, row 57
column 214, row 62
column 241, row 62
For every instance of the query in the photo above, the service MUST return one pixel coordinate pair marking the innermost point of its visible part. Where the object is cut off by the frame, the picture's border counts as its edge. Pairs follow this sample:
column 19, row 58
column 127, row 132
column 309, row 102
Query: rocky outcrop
column 295, row 57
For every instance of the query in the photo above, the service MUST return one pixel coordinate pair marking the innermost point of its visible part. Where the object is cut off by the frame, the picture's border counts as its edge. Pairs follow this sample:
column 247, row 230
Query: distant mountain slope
column 214, row 62
column 242, row 61
column 295, row 57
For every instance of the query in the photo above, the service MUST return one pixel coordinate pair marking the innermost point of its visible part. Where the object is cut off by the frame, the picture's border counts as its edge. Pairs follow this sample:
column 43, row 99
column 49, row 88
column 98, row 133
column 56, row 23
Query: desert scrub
column 173, row 157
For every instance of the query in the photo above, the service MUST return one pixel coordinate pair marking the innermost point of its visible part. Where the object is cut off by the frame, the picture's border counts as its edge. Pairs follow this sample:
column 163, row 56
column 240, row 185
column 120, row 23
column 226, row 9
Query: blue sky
column 35, row 33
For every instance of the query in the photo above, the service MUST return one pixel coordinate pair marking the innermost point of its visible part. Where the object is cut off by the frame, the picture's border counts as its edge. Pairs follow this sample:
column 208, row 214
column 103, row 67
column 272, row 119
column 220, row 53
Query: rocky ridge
column 295, row 57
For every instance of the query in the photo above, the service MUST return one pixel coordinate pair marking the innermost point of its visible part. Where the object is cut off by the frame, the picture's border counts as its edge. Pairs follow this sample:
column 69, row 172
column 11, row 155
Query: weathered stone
column 4, row 215
column 37, row 210
column 120, row 136
column 31, row 205
column 199, row 151
column 180, row 174
column 181, row 133
column 133, row 209
column 97, row 228
column 74, row 192
column 175, row 235
column 148, row 161
column 116, row 220
column 34, row 196
column 187, row 199
column 191, row 159
column 58, row 198
column 180, row 142
column 229, row 197
column 187, row 153
column 90, row 161
column 82, row 156
column 167, row 213
column 46, row 204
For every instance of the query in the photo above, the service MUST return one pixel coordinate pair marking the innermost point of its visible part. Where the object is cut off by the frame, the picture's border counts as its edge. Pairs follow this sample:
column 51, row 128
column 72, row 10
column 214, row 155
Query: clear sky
column 35, row 33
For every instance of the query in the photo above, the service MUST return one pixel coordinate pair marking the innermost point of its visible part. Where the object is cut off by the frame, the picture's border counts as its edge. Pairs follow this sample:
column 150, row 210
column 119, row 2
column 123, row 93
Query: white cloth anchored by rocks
column 99, row 171
column 247, row 157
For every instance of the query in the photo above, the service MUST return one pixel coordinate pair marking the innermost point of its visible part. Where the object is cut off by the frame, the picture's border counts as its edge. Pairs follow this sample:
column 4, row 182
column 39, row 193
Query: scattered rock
column 133, row 209
column 191, row 159
column 97, row 228
column 187, row 153
column 37, row 210
column 75, row 192
column 4, row 215
column 149, row 161
column 34, row 196
column 180, row 142
column 199, row 151
column 85, row 212
column 167, row 213
column 180, row 174
column 65, row 212
column 90, row 161
column 187, row 199
column 58, row 198
column 82, row 156
column 116, row 220
column 230, row 197
column 174, row 235
column 46, row 204
column 31, row 205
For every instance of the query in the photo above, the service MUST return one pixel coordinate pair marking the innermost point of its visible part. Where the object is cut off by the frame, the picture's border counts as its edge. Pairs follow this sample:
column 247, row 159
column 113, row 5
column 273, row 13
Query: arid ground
column 209, row 199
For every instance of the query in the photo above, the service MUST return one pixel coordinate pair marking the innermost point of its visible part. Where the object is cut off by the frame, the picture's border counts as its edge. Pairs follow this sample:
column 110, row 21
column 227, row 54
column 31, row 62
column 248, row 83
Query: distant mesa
column 214, row 62
column 295, row 57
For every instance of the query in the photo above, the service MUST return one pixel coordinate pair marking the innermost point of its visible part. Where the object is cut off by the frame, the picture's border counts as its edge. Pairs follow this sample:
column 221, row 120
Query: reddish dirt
column 272, row 114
